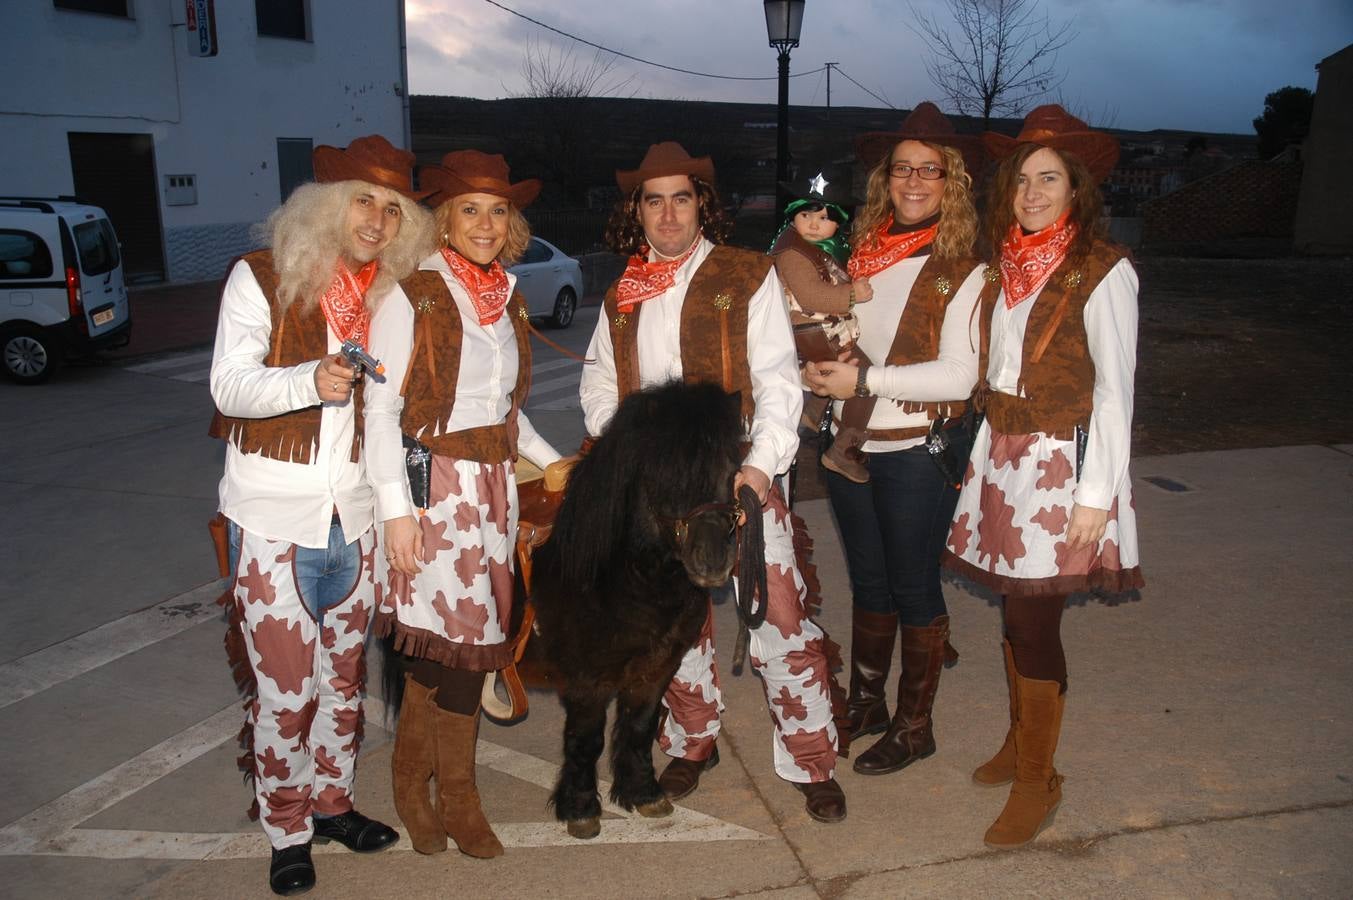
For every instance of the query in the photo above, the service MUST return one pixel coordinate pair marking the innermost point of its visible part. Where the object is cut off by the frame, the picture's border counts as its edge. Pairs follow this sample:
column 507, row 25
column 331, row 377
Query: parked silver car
column 551, row 281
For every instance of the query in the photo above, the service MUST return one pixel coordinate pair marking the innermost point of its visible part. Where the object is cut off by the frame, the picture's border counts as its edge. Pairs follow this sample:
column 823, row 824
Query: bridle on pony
column 754, row 596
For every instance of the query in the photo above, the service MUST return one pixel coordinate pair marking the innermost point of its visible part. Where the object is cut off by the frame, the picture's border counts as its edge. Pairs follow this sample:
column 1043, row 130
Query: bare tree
column 555, row 139
column 548, row 71
column 1107, row 117
column 996, row 57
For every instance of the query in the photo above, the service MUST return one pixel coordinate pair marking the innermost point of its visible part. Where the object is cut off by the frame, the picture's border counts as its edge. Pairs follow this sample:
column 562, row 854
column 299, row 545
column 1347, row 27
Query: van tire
column 29, row 354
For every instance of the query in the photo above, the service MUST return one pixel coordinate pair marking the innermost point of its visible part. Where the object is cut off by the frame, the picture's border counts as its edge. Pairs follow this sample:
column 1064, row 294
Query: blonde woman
column 913, row 240
column 457, row 366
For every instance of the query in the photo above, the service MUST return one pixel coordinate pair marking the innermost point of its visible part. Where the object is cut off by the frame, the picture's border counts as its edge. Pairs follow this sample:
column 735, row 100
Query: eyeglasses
column 925, row 173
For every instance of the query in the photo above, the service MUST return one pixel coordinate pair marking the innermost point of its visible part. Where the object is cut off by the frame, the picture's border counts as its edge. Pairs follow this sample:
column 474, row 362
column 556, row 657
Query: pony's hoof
column 584, row 829
column 655, row 809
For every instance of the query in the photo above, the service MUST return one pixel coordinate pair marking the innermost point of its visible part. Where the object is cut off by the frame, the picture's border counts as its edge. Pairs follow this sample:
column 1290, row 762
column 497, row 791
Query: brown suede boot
column 911, row 735
column 844, row 456
column 412, row 764
column 457, row 796
column 1037, row 790
column 1000, row 769
column 872, row 637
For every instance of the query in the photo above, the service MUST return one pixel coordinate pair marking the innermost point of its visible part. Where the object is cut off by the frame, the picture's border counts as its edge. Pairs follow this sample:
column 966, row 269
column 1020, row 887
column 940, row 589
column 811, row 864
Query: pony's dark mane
column 678, row 437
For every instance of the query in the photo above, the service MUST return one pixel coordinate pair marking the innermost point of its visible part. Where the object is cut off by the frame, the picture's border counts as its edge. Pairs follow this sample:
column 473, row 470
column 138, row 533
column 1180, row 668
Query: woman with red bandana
column 1046, row 507
column 913, row 240
column 457, row 368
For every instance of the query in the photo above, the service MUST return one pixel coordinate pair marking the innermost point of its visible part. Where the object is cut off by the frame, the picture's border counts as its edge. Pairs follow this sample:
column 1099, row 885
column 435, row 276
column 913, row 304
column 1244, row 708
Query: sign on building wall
column 201, row 27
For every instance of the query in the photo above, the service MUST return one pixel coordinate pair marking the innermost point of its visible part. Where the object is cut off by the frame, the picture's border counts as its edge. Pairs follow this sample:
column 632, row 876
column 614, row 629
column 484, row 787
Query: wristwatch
column 862, row 382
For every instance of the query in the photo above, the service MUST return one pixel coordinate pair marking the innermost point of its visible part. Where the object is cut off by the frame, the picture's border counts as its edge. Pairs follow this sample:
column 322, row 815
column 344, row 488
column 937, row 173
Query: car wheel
column 564, row 305
column 30, row 356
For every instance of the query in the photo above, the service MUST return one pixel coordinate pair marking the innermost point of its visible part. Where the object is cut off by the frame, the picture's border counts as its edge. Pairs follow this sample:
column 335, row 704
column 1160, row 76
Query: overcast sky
column 1189, row 64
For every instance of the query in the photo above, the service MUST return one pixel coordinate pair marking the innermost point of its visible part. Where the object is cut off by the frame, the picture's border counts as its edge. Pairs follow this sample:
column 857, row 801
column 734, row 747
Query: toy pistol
column 359, row 359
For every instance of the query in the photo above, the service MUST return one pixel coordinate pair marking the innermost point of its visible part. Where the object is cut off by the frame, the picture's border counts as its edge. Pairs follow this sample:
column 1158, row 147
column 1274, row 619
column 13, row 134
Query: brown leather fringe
column 237, row 653
column 424, row 644
column 1110, row 581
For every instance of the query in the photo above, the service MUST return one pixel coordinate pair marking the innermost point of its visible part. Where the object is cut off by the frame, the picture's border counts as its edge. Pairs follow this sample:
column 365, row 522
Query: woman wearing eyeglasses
column 913, row 240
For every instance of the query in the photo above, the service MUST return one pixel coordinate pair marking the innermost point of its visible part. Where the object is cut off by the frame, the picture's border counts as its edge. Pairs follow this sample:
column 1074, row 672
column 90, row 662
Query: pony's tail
column 392, row 677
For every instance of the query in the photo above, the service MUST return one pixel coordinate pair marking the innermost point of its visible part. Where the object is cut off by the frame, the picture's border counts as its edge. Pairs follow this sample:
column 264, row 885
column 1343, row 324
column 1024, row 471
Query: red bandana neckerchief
column 344, row 303
column 643, row 280
column 487, row 290
column 884, row 249
column 1028, row 260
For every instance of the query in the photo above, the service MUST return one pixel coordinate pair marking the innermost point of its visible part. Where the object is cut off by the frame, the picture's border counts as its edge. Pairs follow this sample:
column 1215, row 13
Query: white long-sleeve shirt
column 776, row 387
column 950, row 376
column 279, row 500
column 488, row 373
column 1111, row 332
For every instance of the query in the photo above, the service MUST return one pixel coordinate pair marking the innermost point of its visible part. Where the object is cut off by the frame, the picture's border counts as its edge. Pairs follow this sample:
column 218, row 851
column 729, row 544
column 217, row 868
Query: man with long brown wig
column 689, row 307
column 295, row 498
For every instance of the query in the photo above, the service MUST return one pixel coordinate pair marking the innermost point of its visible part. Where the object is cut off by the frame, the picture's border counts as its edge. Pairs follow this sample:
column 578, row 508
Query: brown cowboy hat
column 667, row 158
column 473, row 172
column 1052, row 126
column 924, row 123
column 372, row 159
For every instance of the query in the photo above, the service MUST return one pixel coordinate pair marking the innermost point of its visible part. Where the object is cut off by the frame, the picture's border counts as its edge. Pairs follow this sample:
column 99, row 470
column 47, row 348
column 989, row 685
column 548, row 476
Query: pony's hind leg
column 636, row 725
column 575, row 798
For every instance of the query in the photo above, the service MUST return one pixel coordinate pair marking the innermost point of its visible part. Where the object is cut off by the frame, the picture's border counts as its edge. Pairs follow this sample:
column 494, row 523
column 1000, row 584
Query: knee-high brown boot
column 457, row 796
column 872, row 637
column 911, row 736
column 1037, row 790
column 1000, row 769
column 412, row 764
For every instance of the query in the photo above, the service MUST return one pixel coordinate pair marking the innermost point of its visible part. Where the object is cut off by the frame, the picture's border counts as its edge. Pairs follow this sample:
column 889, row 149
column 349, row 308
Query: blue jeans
column 894, row 529
column 325, row 577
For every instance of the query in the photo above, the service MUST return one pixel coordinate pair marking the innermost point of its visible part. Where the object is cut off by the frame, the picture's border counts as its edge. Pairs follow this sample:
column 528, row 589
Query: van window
column 97, row 245
column 23, row 255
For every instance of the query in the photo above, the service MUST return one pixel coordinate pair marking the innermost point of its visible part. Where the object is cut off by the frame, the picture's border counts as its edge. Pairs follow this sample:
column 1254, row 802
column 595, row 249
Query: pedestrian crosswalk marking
column 556, row 392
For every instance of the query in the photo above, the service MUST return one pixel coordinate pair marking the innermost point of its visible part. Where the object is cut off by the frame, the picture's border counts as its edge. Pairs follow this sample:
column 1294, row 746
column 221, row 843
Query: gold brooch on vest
column 992, row 274
column 943, row 285
column 722, row 300
column 426, row 304
column 1073, row 278
column 621, row 320
column 523, row 312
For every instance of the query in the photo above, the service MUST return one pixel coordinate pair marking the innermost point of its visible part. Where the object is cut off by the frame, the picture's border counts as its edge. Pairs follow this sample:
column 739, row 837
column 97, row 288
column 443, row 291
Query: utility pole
column 829, row 89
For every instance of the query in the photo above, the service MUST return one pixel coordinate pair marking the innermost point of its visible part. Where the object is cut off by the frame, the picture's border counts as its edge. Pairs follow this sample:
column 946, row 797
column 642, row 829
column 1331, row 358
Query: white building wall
column 217, row 118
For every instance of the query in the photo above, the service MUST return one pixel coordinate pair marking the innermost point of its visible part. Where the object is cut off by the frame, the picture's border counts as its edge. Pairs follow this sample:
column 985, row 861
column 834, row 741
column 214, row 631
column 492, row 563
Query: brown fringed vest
column 713, row 326
column 1057, row 375
column 918, row 334
column 429, row 388
column 299, row 334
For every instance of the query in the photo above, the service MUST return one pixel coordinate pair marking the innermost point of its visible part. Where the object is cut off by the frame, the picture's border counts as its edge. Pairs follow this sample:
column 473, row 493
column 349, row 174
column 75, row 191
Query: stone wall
column 202, row 252
column 1254, row 199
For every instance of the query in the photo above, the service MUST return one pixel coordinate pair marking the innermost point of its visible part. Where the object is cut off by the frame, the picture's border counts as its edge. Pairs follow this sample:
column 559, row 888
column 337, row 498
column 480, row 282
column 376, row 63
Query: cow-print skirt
column 455, row 611
column 1009, row 529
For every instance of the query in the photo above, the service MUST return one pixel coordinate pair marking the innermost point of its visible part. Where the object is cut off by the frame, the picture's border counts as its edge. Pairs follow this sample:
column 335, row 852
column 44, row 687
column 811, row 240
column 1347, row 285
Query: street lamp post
column 784, row 20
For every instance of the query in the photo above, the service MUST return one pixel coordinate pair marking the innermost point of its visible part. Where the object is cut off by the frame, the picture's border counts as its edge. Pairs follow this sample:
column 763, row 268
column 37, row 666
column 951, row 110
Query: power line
column 649, row 62
column 842, row 72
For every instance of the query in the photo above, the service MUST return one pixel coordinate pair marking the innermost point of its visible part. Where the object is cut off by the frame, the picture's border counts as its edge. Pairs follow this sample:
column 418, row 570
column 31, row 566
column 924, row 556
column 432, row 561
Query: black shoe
column 355, row 831
column 292, row 872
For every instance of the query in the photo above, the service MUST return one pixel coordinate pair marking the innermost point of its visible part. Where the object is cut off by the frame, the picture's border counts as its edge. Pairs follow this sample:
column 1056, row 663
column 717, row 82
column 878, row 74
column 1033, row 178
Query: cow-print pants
column 307, row 716
column 787, row 652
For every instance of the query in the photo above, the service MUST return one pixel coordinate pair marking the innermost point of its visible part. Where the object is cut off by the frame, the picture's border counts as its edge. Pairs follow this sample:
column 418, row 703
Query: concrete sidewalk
column 1206, row 743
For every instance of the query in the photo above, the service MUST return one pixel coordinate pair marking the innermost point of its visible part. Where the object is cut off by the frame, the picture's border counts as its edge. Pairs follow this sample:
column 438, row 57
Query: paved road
column 1207, row 742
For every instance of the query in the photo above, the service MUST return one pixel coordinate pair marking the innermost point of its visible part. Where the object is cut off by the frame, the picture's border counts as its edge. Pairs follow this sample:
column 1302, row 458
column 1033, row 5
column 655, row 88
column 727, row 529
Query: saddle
column 538, row 498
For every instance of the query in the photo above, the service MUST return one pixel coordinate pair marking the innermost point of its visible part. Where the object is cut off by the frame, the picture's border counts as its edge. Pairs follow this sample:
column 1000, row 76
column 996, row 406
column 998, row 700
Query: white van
column 61, row 290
